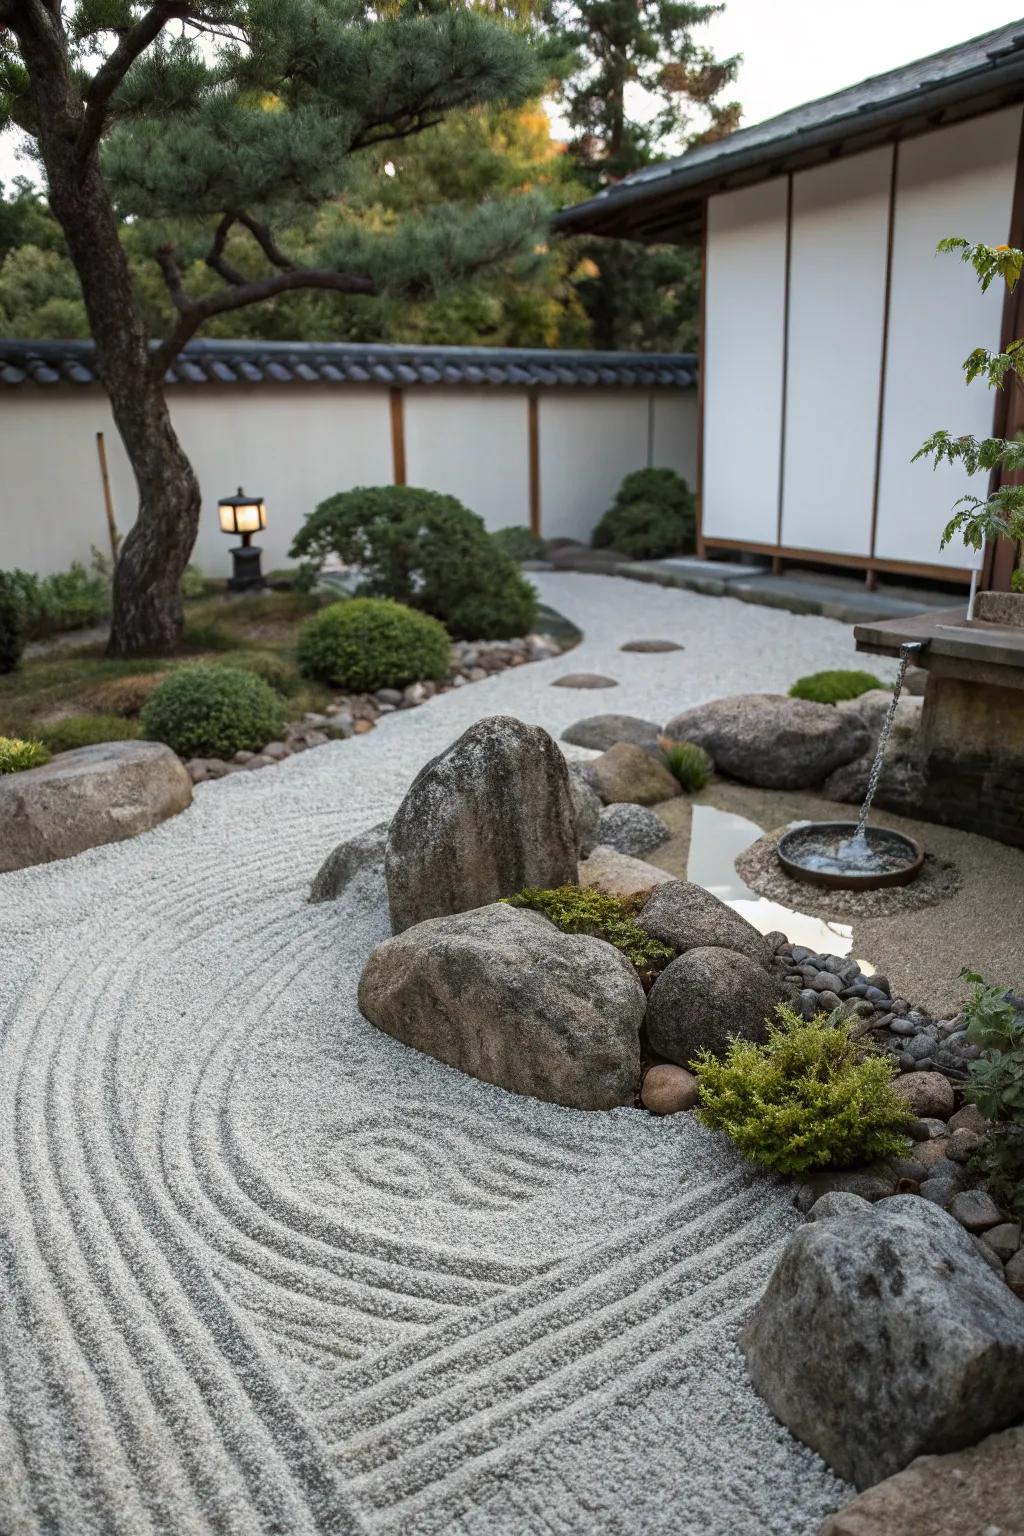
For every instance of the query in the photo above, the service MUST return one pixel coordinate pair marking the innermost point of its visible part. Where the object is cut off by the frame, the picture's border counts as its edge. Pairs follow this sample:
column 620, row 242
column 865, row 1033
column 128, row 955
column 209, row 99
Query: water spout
column 856, row 853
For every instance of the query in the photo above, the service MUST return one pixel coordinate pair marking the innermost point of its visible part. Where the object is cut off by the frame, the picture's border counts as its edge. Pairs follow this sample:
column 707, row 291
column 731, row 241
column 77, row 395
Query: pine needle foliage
column 584, row 910
column 804, row 1099
column 17, row 755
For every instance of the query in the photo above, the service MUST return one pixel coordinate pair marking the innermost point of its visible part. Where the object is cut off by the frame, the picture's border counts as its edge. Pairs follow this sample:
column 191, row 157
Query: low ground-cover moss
column 581, row 909
column 831, row 687
column 804, row 1099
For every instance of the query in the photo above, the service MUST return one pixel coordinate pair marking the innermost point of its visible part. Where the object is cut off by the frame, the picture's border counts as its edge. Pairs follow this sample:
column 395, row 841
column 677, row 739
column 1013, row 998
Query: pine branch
column 265, row 240
column 217, row 261
column 110, row 74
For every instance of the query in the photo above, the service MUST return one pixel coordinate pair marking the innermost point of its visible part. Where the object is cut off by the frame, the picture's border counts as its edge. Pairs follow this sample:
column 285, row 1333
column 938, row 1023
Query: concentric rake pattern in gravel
column 262, row 1269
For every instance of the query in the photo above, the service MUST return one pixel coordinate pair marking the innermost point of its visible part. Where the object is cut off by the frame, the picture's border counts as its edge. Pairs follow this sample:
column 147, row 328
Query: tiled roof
column 971, row 77
column 43, row 363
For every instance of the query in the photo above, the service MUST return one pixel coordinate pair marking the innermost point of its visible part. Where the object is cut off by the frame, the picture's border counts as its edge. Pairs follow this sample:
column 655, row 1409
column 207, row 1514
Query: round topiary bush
column 17, row 755
column 425, row 550
column 830, row 687
column 654, row 514
column 212, row 711
column 371, row 642
column 11, row 624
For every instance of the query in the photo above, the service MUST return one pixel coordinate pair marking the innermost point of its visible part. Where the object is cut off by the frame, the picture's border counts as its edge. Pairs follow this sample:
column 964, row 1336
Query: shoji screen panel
column 956, row 181
column 840, row 219
column 743, row 343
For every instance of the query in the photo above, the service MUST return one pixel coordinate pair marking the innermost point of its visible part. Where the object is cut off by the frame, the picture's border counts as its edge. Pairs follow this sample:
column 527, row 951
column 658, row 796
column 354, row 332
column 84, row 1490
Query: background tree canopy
column 632, row 84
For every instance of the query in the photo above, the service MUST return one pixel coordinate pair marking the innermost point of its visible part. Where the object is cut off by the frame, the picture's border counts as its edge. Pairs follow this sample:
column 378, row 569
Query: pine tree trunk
column 147, row 616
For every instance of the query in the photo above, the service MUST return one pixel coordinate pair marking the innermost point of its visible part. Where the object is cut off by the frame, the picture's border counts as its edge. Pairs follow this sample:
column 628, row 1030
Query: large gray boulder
column 688, row 916
column 491, row 815
column 502, row 994
column 773, row 741
column 94, row 795
column 599, row 732
column 700, row 1000
column 882, row 1336
column 364, row 852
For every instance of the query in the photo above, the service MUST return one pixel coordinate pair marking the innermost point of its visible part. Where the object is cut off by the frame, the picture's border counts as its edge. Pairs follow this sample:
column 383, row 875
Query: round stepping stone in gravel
column 599, row 732
column 584, row 680
column 651, row 647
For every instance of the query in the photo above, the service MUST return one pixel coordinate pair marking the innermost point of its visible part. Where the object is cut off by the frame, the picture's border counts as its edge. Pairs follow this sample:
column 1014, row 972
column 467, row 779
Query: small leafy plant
column 17, row 755
column 804, row 1099
column 997, row 1027
column 581, row 909
column 65, row 600
column 689, row 764
column 999, row 1164
column 831, row 687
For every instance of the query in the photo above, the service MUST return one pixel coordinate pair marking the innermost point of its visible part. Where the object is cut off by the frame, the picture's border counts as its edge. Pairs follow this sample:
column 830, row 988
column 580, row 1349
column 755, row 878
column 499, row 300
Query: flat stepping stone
column 584, row 680
column 599, row 732
column 651, row 647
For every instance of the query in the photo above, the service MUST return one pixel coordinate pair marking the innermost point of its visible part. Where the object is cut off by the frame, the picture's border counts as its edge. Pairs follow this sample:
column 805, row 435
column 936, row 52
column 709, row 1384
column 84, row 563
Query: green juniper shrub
column 581, row 909
column 426, row 550
column 367, row 643
column 12, row 624
column 688, row 763
column 804, row 1099
column 17, row 755
column 520, row 543
column 831, row 687
column 653, row 515
column 210, row 710
column 87, row 730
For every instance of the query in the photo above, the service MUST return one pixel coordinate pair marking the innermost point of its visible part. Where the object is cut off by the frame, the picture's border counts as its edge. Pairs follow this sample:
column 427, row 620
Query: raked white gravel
column 263, row 1269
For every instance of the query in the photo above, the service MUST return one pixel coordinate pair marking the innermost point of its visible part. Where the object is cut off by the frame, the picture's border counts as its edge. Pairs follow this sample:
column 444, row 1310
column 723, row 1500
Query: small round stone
column 974, row 1210
column 668, row 1089
column 584, row 680
column 929, row 1094
column 962, row 1143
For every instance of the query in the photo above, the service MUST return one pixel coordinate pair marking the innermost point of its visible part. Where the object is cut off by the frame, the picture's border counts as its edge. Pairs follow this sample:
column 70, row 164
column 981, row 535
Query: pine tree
column 639, row 296
column 226, row 121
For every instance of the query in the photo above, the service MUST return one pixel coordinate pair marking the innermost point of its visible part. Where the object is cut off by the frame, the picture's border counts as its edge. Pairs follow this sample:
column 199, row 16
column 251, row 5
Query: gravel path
column 263, row 1269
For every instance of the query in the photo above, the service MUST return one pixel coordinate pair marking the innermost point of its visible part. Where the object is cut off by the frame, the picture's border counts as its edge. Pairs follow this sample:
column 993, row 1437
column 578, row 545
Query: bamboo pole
column 108, row 500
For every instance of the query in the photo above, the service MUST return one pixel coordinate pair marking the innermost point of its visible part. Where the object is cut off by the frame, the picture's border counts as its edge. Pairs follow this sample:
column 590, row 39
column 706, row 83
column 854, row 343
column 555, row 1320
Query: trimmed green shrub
column 654, row 514
column 86, row 731
column 688, row 763
column 581, row 909
column 205, row 710
column 831, row 687
column 805, row 1099
column 11, row 624
column 520, row 543
column 425, row 550
column 17, row 755
column 274, row 670
column 366, row 643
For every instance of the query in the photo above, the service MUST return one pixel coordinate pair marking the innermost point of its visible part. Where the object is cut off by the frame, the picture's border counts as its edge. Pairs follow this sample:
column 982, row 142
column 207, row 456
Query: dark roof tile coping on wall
column 26, row 363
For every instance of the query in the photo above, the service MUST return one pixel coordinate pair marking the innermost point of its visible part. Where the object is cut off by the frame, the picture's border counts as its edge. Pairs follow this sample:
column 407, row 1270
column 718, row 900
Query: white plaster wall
column 957, row 181
column 588, row 443
column 293, row 446
column 743, row 320
column 473, row 445
column 674, row 433
column 836, row 317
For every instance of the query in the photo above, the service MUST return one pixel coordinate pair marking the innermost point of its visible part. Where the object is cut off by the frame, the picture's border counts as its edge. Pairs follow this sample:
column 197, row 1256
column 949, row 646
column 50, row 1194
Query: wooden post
column 398, row 436
column 108, row 500
column 533, row 450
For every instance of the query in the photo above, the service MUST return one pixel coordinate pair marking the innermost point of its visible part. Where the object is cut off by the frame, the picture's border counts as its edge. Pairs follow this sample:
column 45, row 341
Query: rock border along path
column 264, row 1269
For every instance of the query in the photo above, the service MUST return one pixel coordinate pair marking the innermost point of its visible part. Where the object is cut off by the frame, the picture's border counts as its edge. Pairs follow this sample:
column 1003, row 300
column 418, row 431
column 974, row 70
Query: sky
column 795, row 50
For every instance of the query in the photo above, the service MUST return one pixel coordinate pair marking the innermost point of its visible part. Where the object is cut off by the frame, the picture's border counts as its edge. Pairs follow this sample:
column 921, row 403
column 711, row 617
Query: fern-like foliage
column 988, row 261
